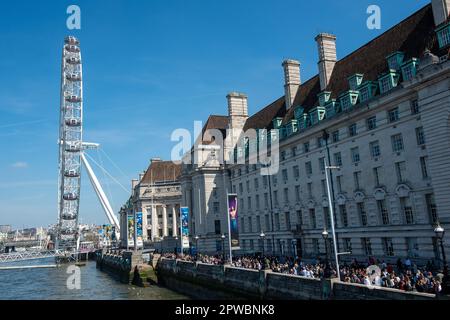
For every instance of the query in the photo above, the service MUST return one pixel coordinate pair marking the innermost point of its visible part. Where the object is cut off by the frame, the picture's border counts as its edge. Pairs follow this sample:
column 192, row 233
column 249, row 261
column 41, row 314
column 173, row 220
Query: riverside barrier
column 204, row 281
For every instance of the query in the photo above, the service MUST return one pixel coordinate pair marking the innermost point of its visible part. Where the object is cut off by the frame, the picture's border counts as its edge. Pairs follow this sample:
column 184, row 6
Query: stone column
column 154, row 223
column 165, row 229
column 144, row 223
column 174, row 221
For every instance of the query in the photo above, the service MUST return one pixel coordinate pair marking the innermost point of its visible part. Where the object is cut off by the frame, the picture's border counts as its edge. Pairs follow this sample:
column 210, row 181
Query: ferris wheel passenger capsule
column 73, row 122
column 71, row 40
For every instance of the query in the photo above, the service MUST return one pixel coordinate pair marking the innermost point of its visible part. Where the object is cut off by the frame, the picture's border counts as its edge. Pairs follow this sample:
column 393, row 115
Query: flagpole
column 229, row 229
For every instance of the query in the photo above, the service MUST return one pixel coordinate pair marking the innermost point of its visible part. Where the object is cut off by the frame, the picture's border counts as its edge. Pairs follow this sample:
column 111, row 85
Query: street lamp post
column 176, row 246
column 262, row 236
column 439, row 231
column 196, row 246
column 327, row 271
column 223, row 247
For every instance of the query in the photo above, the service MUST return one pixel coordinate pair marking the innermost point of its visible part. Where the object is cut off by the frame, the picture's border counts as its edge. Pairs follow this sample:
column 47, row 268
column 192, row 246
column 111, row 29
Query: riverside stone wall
column 203, row 281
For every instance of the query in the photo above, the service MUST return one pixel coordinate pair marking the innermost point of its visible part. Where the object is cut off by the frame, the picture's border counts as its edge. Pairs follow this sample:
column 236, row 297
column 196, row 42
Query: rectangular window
column 400, row 169
column 296, row 171
column 324, row 187
column 367, row 246
column 339, row 183
column 297, row 193
column 266, row 200
column 249, row 200
column 335, row 136
column 420, row 136
column 355, row 154
column 241, row 188
column 326, row 217
column 267, row 220
column 294, row 151
column 371, row 123
column 286, row 195
column 275, row 197
column 283, row 155
column 388, row 247
column 258, row 223
column 247, row 183
column 423, row 166
column 217, row 228
column 431, row 208
column 320, row 142
column 377, row 176
column 299, row 217
column 407, row 210
column 357, row 179
column 393, row 115
column 344, row 217
column 288, row 220
column 415, row 107
column 306, row 147
column 397, row 142
column 308, row 168
column 385, row 84
column 383, row 212
column 277, row 221
column 257, row 202
column 322, row 164
column 375, row 149
column 352, row 130
column 309, row 186
column 362, row 213
column 265, row 181
column 312, row 218
column 338, row 159
column 256, row 182
column 250, row 224
column 285, row 175
column 347, row 245
column 216, row 206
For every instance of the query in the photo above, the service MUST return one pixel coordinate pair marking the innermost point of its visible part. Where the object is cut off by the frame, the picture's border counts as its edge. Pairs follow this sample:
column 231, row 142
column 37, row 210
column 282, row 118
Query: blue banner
column 139, row 235
column 184, row 220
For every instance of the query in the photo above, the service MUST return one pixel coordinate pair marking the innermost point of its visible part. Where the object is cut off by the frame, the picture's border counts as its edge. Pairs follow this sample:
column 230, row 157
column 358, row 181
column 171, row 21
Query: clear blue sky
column 149, row 67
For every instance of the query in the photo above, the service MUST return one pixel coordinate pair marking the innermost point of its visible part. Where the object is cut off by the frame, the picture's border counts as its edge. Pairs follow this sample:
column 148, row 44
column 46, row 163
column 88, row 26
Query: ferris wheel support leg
column 100, row 193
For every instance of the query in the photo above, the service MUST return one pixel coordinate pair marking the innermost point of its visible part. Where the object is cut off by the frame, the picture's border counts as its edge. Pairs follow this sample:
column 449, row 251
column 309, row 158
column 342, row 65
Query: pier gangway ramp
column 33, row 255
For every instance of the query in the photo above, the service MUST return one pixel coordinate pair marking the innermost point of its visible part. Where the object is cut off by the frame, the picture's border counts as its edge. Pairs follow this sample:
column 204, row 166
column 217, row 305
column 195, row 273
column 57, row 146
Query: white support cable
column 100, row 193
column 108, row 189
column 103, row 169
column 115, row 165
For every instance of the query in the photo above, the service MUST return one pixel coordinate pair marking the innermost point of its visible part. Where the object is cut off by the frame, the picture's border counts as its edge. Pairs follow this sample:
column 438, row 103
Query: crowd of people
column 404, row 275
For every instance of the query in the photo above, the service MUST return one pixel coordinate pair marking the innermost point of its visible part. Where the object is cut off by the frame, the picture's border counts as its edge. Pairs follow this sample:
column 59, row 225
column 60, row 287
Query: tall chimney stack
column 441, row 11
column 292, row 80
column 326, row 43
column 237, row 109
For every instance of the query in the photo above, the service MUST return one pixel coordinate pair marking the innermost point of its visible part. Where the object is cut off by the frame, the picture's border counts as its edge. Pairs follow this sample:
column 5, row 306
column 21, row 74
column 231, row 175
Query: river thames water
column 50, row 284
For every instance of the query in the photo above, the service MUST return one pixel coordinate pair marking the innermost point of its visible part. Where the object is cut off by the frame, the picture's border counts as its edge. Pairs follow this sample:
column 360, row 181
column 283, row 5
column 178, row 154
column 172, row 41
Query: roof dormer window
column 409, row 69
column 324, row 96
column 331, row 108
column 395, row 60
column 367, row 90
column 317, row 114
column 298, row 112
column 354, row 81
column 348, row 99
column 388, row 81
column 277, row 122
column 291, row 127
column 443, row 34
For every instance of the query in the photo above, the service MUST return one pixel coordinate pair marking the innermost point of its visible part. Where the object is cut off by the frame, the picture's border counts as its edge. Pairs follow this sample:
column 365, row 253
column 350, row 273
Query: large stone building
column 157, row 194
column 381, row 114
